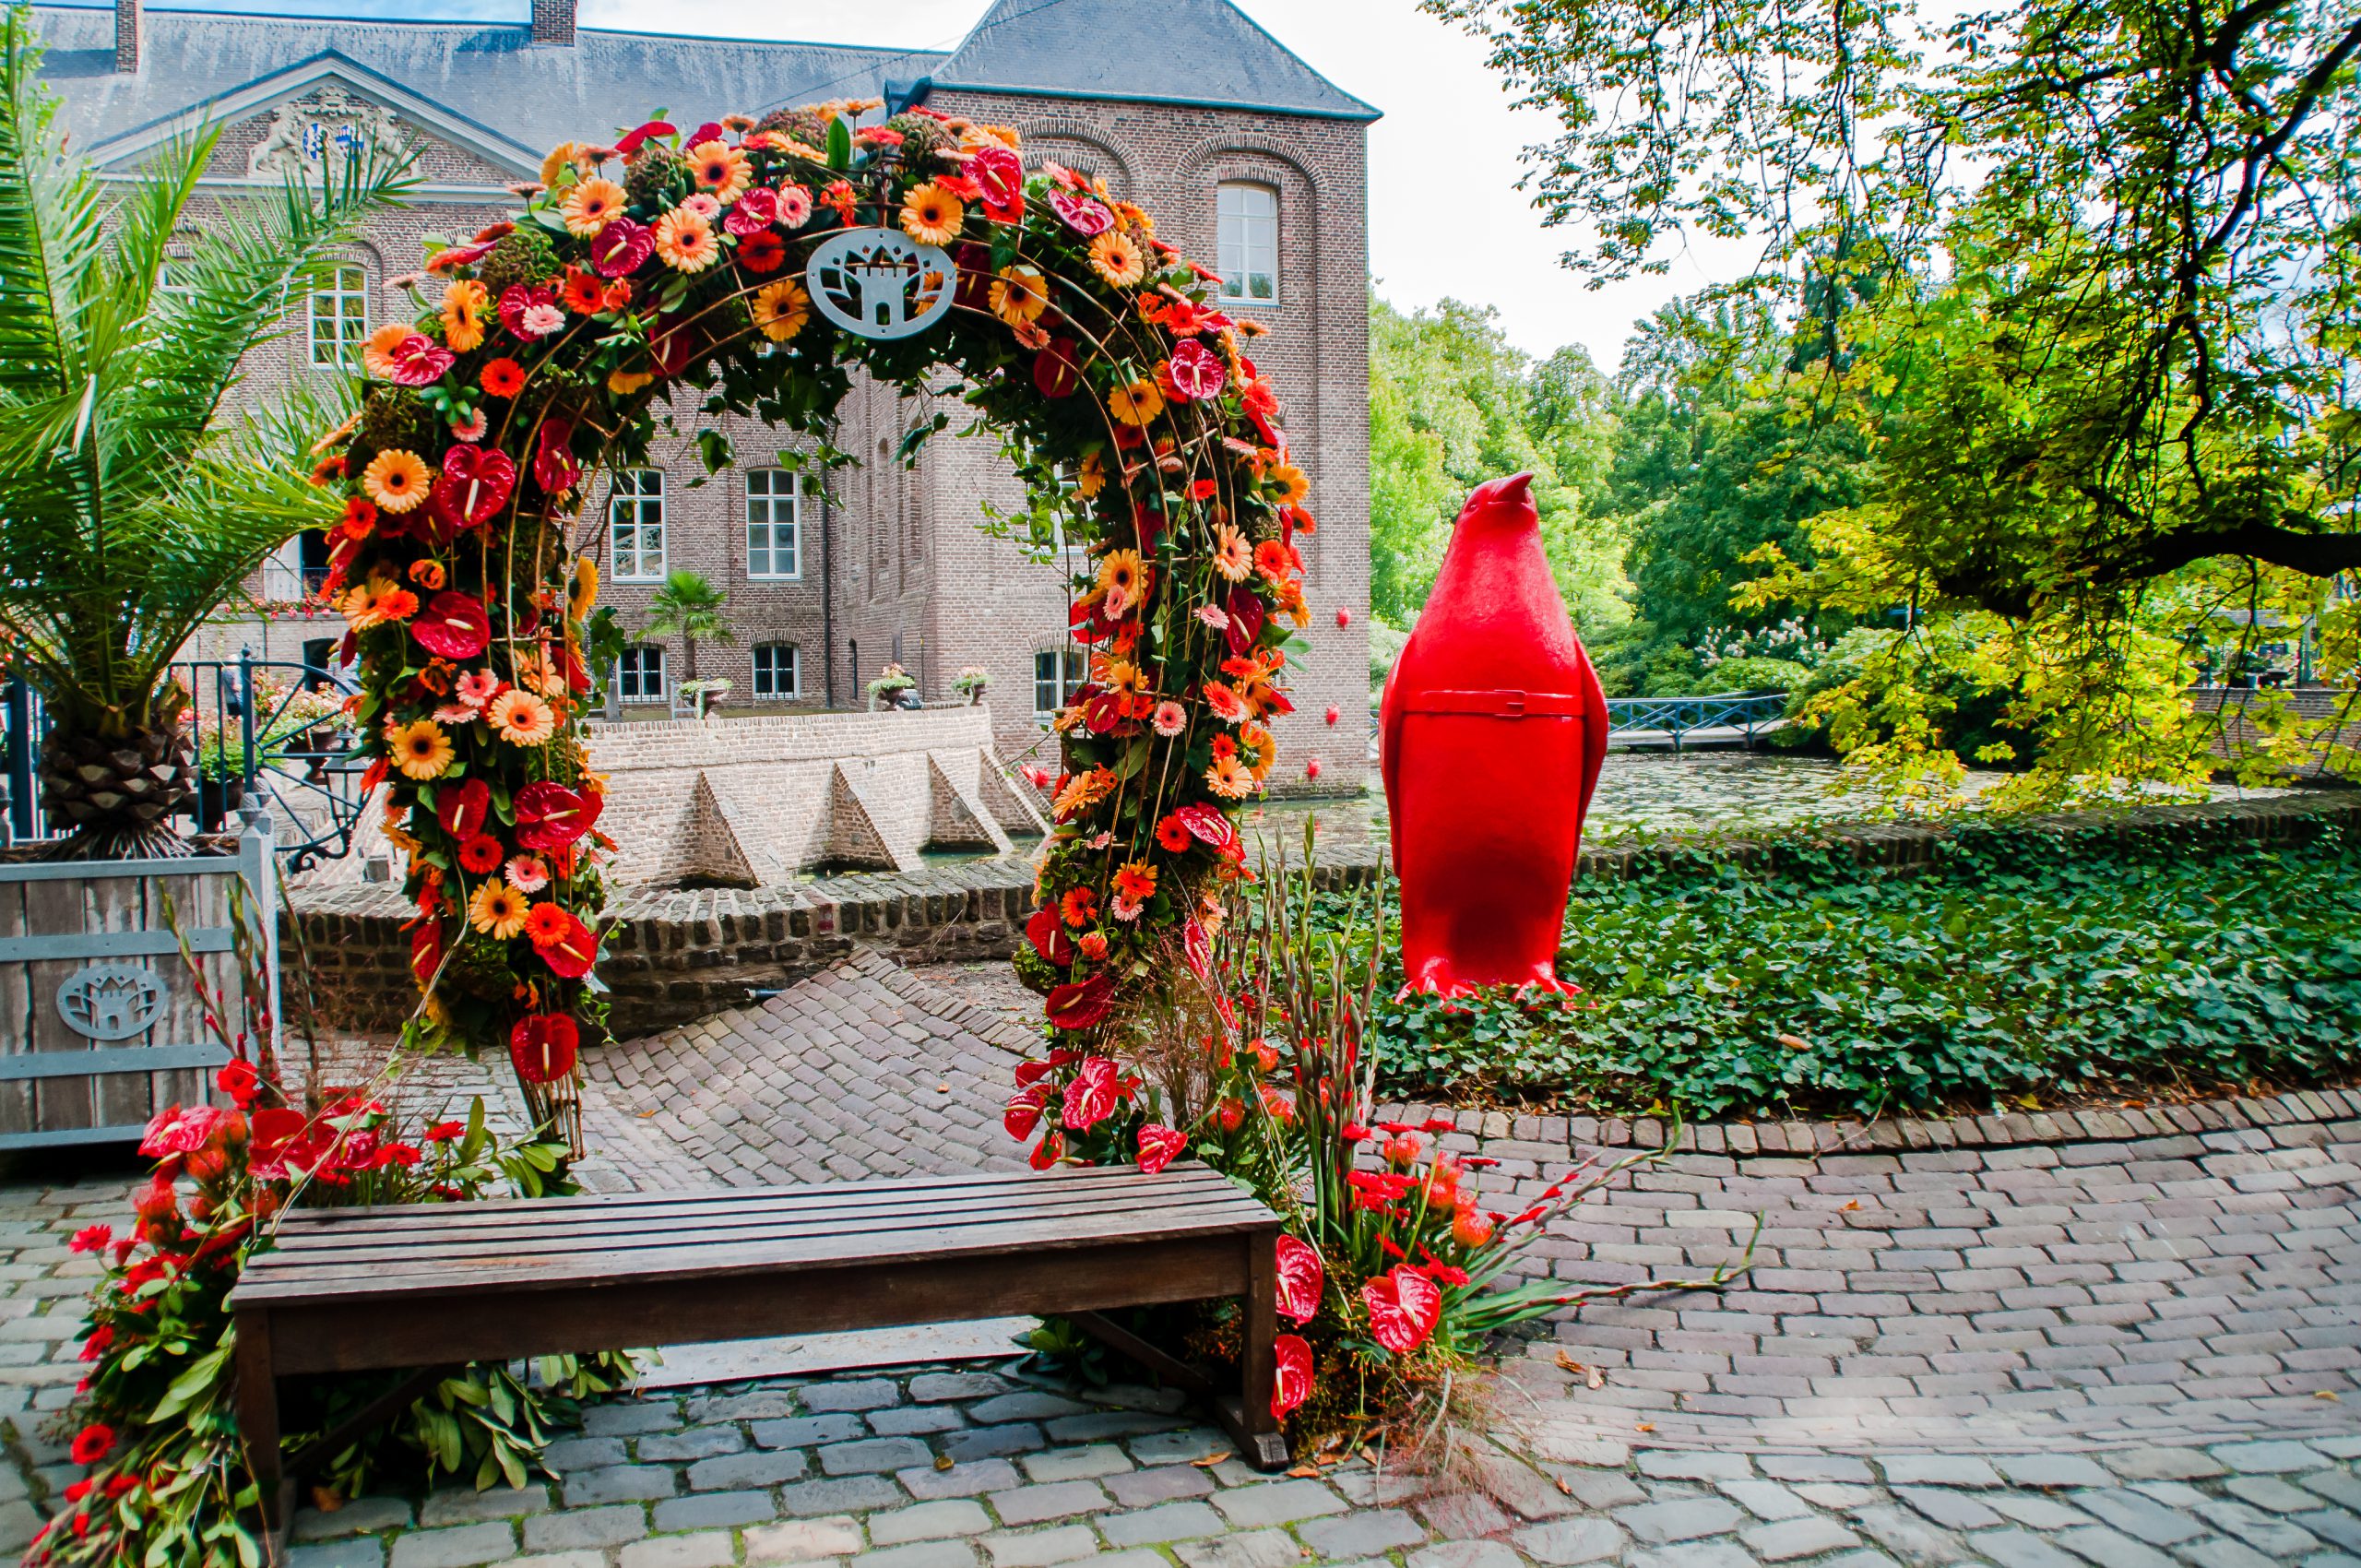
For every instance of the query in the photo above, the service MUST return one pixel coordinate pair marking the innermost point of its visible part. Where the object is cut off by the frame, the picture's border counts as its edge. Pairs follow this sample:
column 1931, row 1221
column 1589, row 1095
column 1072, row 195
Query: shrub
column 1752, row 672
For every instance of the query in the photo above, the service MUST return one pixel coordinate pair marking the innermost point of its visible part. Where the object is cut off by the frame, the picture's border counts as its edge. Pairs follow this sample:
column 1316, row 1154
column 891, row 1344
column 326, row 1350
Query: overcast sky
column 1445, row 218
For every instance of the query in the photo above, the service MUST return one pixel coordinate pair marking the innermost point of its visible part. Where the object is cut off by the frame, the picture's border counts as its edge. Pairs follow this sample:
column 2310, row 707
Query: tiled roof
column 1194, row 52
column 513, row 93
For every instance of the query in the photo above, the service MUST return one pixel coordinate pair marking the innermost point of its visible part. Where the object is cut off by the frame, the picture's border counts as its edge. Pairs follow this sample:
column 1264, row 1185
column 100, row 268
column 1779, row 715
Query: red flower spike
column 1090, row 1097
column 462, row 807
column 551, row 816
column 476, row 481
column 1047, row 936
column 1161, row 1146
column 1023, row 1114
column 1300, row 1279
column 542, row 1047
column 1047, row 1152
column 1290, row 1374
column 1403, row 1307
column 454, row 625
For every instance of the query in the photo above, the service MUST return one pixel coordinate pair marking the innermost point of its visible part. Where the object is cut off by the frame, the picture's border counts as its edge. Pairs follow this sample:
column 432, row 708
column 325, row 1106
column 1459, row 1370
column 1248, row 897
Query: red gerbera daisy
column 502, row 377
column 762, row 251
column 481, row 855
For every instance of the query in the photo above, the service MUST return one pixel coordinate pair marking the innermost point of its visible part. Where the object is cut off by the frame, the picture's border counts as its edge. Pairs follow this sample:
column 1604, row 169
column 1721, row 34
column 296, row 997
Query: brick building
column 1245, row 156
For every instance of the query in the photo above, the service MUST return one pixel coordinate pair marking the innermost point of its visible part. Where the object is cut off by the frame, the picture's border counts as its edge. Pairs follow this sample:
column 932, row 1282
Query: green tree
column 136, row 496
column 688, row 607
column 1451, row 404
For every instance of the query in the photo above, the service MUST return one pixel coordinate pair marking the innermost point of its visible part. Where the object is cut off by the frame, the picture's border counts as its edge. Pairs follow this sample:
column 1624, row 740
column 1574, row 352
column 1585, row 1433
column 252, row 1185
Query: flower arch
column 673, row 263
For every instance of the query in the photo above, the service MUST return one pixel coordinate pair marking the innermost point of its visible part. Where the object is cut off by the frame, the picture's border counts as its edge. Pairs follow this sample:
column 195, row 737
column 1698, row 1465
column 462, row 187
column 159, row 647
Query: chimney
column 128, row 29
column 553, row 21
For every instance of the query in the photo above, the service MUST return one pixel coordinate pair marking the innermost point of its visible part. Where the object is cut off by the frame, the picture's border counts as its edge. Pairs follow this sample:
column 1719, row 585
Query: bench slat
column 317, row 1254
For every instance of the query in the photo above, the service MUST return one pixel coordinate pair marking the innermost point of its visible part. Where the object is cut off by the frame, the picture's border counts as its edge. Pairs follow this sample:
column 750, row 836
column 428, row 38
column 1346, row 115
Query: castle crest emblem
column 111, row 1001
column 881, row 283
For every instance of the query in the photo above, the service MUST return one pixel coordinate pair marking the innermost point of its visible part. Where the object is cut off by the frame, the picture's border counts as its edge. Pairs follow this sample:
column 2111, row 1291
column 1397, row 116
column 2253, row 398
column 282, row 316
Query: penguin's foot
column 1438, row 981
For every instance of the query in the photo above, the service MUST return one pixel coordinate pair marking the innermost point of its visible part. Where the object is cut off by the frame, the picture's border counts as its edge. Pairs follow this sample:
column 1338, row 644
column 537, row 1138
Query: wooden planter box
column 100, row 1023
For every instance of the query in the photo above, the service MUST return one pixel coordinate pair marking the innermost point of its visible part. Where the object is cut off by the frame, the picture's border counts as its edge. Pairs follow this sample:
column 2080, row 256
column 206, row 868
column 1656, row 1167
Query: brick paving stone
column 1952, row 1510
column 363, row 1515
column 985, row 1443
column 1160, row 1483
column 1051, row 1500
column 1281, row 1503
column 806, row 1497
column 1363, row 1532
column 972, row 1480
column 2271, row 1494
column 1255, row 1549
column 1792, row 1539
column 356, row 1554
column 696, row 1442
column 804, row 1540
column 923, row 1554
column 2021, row 1549
column 620, row 1483
column 2137, row 1514
column 1683, row 1518
column 584, row 1528
column 866, row 1393
column 732, row 1471
column 1940, row 1469
column 458, row 1506
column 1166, row 1521
column 1464, row 1554
column 713, row 1549
column 872, row 1455
column 1076, row 1463
column 802, row 1431
column 1563, row 1542
column 712, row 1509
column 927, row 1521
column 2052, row 1470
column 1036, row 1548
column 463, row 1546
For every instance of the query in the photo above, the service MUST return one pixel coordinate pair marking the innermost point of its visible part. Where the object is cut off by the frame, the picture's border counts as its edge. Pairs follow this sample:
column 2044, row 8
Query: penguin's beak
column 1514, row 489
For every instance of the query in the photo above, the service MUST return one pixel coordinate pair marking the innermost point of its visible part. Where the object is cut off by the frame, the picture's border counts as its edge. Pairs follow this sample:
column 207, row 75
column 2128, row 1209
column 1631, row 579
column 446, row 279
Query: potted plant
column 703, row 696
column 220, row 777
column 970, row 682
column 138, row 489
column 687, row 607
column 892, row 689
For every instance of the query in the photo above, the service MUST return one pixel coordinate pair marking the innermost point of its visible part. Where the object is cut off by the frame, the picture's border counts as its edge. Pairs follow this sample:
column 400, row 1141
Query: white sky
column 1445, row 218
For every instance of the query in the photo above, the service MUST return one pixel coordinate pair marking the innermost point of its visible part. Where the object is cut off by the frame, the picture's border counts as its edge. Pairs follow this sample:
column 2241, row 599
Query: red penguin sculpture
column 1490, row 736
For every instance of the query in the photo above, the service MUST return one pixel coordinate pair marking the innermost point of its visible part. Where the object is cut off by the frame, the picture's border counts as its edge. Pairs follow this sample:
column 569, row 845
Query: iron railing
column 267, row 734
column 1749, row 714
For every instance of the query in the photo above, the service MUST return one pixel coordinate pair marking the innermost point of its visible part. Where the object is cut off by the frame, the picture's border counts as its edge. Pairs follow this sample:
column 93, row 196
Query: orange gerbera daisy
column 1079, row 907
column 591, row 206
column 427, row 573
column 521, row 719
column 781, row 309
column 932, row 215
column 1136, row 882
column 1271, row 560
column 396, row 481
column 463, row 307
column 1124, row 579
column 1115, row 256
column 684, row 241
column 1093, row 476
column 1136, row 404
column 1020, row 293
column 547, row 924
column 1230, row 778
column 498, row 910
column 1232, row 558
column 1261, row 748
column 1293, row 485
column 1225, row 703
column 420, row 749
column 376, row 355
column 721, row 168
column 1083, row 792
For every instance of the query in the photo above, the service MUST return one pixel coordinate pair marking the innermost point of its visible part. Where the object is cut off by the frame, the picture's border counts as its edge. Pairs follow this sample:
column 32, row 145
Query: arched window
column 1248, row 242
column 777, row 671
column 1058, row 674
column 339, row 316
column 639, row 674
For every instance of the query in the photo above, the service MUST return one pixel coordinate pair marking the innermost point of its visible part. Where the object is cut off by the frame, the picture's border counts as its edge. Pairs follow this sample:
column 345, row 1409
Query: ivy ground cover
column 2023, row 970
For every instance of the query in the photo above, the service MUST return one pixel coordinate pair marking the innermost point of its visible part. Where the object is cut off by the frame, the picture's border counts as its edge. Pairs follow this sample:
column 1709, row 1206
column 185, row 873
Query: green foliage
column 1453, row 404
column 1753, row 674
column 689, row 608
column 2026, row 966
column 137, row 492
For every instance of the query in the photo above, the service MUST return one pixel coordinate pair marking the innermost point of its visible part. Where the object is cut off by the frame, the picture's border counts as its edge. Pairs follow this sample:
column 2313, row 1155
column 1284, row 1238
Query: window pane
column 1045, row 682
column 773, row 523
column 636, row 525
column 340, row 318
column 1247, row 246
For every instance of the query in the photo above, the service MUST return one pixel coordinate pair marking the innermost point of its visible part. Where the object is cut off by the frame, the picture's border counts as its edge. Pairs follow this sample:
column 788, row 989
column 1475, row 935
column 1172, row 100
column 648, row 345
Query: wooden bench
column 433, row 1286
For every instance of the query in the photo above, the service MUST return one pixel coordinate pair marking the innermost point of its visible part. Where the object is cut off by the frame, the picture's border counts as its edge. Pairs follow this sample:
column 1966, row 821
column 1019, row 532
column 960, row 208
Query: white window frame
column 342, row 306
column 1075, row 664
column 636, row 510
column 1244, row 235
column 631, row 671
column 767, row 520
column 794, row 690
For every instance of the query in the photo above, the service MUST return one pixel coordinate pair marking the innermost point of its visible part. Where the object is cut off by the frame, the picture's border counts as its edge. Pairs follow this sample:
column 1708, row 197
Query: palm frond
column 50, row 218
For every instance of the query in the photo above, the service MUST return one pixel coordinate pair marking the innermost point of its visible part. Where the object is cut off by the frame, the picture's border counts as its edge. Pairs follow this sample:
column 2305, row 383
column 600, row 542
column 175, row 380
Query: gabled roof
column 485, row 85
column 1203, row 52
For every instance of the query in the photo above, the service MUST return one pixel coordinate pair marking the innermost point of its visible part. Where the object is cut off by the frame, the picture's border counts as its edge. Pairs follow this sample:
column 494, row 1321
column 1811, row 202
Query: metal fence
column 267, row 734
column 1732, row 715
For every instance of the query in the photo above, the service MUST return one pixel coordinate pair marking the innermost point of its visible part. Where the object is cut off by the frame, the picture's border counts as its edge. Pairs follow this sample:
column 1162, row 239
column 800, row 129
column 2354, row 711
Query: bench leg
column 1248, row 1418
column 259, row 1428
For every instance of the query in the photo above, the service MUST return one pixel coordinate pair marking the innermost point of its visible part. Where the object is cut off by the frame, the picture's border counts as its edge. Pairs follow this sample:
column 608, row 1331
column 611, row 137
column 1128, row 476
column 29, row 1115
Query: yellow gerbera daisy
column 684, row 241
column 521, row 719
column 1230, row 778
column 624, row 383
column 377, row 353
column 396, row 481
column 1293, row 485
column 463, row 307
column 932, row 215
column 420, row 749
column 781, row 309
column 1092, row 478
column 1115, row 256
column 1137, row 404
column 1122, row 579
column 591, row 206
column 1020, row 294
column 584, row 591
column 721, row 168
column 498, row 910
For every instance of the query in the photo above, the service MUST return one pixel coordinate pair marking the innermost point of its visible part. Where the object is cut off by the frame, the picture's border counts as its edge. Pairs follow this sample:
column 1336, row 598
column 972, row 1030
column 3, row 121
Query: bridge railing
column 1749, row 714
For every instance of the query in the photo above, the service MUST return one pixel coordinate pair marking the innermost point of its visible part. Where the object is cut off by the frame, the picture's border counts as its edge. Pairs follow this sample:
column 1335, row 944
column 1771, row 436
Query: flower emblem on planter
column 881, row 283
column 111, row 1001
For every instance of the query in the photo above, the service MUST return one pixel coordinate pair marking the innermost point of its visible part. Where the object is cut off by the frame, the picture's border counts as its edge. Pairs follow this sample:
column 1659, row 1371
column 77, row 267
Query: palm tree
column 687, row 607
column 132, row 505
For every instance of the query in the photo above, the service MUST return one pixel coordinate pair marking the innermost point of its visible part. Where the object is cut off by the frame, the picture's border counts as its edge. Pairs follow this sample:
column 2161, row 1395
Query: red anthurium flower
column 1300, row 1279
column 1291, row 1379
column 1246, row 616
column 1083, row 1003
column 462, row 807
column 618, row 249
column 426, row 951
column 476, row 481
column 1055, row 374
column 1090, row 1097
column 1023, row 1114
column 554, row 468
column 1085, row 215
column 1209, row 824
column 574, row 952
column 518, row 299
column 1403, row 1307
column 999, row 181
column 752, row 212
column 453, row 625
column 1197, row 372
column 543, row 1047
column 632, row 140
column 1161, row 1146
column 551, row 816
column 1047, row 936
column 419, row 361
column 1047, row 1152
